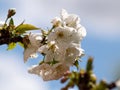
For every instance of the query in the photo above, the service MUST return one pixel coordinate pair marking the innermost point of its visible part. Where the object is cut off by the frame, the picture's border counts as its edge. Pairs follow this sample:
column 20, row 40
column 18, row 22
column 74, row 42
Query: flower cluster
column 60, row 46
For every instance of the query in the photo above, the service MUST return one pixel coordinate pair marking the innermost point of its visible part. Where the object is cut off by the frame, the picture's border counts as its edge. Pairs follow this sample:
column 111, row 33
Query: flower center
column 60, row 34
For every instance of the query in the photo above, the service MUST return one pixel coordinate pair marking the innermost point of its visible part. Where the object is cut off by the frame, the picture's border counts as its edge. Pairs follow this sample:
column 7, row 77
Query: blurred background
column 101, row 18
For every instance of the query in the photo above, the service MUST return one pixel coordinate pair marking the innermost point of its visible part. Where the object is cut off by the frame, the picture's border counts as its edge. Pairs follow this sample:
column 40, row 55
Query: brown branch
column 111, row 86
column 7, row 39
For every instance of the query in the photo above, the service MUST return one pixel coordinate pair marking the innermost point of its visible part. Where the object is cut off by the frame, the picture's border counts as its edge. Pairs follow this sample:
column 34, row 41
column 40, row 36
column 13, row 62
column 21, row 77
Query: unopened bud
column 93, row 78
column 11, row 12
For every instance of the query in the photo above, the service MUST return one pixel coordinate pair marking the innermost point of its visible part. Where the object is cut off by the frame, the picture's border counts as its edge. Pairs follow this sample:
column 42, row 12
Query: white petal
column 43, row 49
column 83, row 31
column 72, row 53
column 28, row 52
column 56, row 21
column 48, row 72
column 72, row 20
column 35, row 39
column 64, row 14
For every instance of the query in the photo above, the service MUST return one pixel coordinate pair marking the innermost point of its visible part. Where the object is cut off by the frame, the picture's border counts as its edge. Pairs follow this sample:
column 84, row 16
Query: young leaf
column 25, row 27
column 11, row 46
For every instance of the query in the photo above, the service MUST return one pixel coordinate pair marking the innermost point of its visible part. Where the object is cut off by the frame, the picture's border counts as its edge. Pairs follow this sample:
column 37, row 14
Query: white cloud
column 14, row 76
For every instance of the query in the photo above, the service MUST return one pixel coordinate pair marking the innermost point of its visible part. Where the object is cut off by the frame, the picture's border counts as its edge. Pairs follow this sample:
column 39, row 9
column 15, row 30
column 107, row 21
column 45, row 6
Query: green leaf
column 11, row 46
column 22, row 28
column 11, row 22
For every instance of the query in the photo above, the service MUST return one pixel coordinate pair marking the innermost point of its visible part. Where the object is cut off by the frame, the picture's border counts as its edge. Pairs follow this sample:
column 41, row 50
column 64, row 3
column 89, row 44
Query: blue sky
column 101, row 19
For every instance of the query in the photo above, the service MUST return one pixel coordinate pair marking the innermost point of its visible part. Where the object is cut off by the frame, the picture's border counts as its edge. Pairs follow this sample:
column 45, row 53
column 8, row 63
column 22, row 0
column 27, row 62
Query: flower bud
column 11, row 12
column 93, row 78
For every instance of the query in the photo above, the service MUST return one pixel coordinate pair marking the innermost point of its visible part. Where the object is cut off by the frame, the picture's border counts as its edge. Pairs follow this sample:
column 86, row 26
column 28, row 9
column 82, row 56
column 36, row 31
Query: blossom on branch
column 61, row 49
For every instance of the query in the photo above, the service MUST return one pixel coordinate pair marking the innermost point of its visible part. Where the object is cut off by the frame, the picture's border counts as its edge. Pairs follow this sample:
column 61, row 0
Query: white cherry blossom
column 49, row 72
column 72, row 53
column 66, row 19
column 70, row 20
column 51, row 52
column 56, row 22
column 62, row 47
column 66, row 35
column 32, row 47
